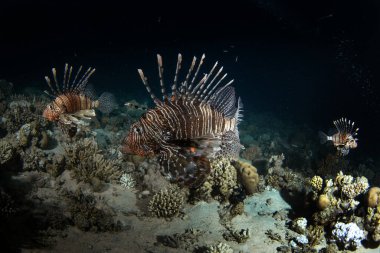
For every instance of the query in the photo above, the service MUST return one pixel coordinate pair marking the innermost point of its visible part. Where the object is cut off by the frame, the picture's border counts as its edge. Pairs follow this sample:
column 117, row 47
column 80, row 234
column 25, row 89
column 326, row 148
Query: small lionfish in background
column 197, row 121
column 73, row 100
column 345, row 139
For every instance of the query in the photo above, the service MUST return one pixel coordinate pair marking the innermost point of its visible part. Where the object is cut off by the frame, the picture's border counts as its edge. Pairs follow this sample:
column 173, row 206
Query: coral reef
column 7, row 152
column 87, row 216
column 220, row 183
column 279, row 177
column 88, row 164
column 127, row 181
column 348, row 235
column 218, row 248
column 166, row 203
column 373, row 197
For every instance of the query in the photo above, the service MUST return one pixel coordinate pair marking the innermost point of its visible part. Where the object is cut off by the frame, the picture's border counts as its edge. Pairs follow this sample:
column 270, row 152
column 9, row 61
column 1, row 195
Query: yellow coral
column 316, row 182
column 373, row 197
column 248, row 175
column 323, row 202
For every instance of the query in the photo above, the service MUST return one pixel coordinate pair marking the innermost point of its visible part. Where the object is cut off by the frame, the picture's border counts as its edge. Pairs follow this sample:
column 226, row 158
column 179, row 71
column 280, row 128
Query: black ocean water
column 308, row 62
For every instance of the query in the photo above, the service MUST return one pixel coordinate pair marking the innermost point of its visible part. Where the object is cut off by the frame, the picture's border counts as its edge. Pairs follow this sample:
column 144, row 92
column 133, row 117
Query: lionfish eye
column 137, row 130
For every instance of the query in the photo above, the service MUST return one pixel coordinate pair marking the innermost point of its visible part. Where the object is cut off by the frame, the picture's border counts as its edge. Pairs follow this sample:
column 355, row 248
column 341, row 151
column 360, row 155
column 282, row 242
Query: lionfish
column 74, row 100
column 195, row 122
column 345, row 138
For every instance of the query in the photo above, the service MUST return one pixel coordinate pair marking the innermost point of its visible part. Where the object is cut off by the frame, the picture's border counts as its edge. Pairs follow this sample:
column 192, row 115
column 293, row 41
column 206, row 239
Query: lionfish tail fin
column 107, row 102
column 322, row 137
column 77, row 84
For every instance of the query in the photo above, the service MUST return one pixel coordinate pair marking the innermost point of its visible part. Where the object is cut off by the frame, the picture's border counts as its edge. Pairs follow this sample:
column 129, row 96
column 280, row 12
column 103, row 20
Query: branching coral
column 87, row 216
column 87, row 162
column 166, row 203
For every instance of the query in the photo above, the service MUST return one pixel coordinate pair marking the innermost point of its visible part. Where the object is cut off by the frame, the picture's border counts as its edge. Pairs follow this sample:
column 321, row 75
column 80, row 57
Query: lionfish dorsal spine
column 198, row 89
column 196, row 74
column 184, row 87
column 144, row 79
column 178, row 68
column 67, row 85
column 210, row 83
column 161, row 75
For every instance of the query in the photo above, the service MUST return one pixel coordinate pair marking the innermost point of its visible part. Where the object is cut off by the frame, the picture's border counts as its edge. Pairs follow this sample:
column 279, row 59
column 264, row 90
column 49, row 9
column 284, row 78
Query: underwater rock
column 166, row 203
column 348, row 235
column 248, row 176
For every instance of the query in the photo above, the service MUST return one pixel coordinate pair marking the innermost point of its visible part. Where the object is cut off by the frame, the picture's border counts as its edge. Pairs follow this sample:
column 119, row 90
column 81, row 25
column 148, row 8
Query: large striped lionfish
column 74, row 100
column 193, row 123
column 345, row 137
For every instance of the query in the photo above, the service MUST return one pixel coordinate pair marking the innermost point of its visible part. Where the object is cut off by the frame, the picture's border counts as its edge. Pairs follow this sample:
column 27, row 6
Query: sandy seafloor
column 56, row 201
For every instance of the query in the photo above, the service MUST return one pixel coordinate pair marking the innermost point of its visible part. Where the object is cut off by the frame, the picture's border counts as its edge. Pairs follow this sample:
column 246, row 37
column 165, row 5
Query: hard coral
column 166, row 203
column 87, row 162
column 316, row 183
column 373, row 197
column 7, row 152
column 220, row 183
column 218, row 248
column 248, row 176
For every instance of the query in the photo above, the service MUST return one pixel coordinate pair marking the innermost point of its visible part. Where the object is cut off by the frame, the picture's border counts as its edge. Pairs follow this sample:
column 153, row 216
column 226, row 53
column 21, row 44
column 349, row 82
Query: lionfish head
column 352, row 142
column 137, row 142
column 51, row 113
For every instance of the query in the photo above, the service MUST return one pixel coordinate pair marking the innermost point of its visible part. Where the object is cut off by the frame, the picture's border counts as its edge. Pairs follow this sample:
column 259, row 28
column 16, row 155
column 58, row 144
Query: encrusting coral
column 248, row 176
column 166, row 203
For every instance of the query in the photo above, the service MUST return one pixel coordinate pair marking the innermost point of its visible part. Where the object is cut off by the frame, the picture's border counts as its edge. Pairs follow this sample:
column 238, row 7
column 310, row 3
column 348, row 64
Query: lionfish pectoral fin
column 231, row 145
column 84, row 114
column 190, row 170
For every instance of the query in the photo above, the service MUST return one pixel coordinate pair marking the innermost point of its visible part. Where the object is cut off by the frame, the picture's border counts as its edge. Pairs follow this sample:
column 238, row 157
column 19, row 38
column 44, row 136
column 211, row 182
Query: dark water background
column 306, row 61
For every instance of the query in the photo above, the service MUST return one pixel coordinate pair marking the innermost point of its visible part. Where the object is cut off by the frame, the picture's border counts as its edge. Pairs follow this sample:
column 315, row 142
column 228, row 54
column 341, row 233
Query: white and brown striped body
column 68, row 103
column 175, row 121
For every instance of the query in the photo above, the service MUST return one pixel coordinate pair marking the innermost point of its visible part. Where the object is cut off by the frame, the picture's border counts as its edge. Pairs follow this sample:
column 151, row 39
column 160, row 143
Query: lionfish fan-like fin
column 322, row 137
column 343, row 125
column 224, row 101
column 68, row 85
column 207, row 146
column 68, row 129
column 90, row 92
column 107, row 102
column 190, row 170
column 230, row 146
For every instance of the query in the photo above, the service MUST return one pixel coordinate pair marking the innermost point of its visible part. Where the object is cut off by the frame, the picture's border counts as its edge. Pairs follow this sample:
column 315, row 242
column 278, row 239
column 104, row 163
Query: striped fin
column 77, row 85
column 346, row 126
column 224, row 101
column 194, row 88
